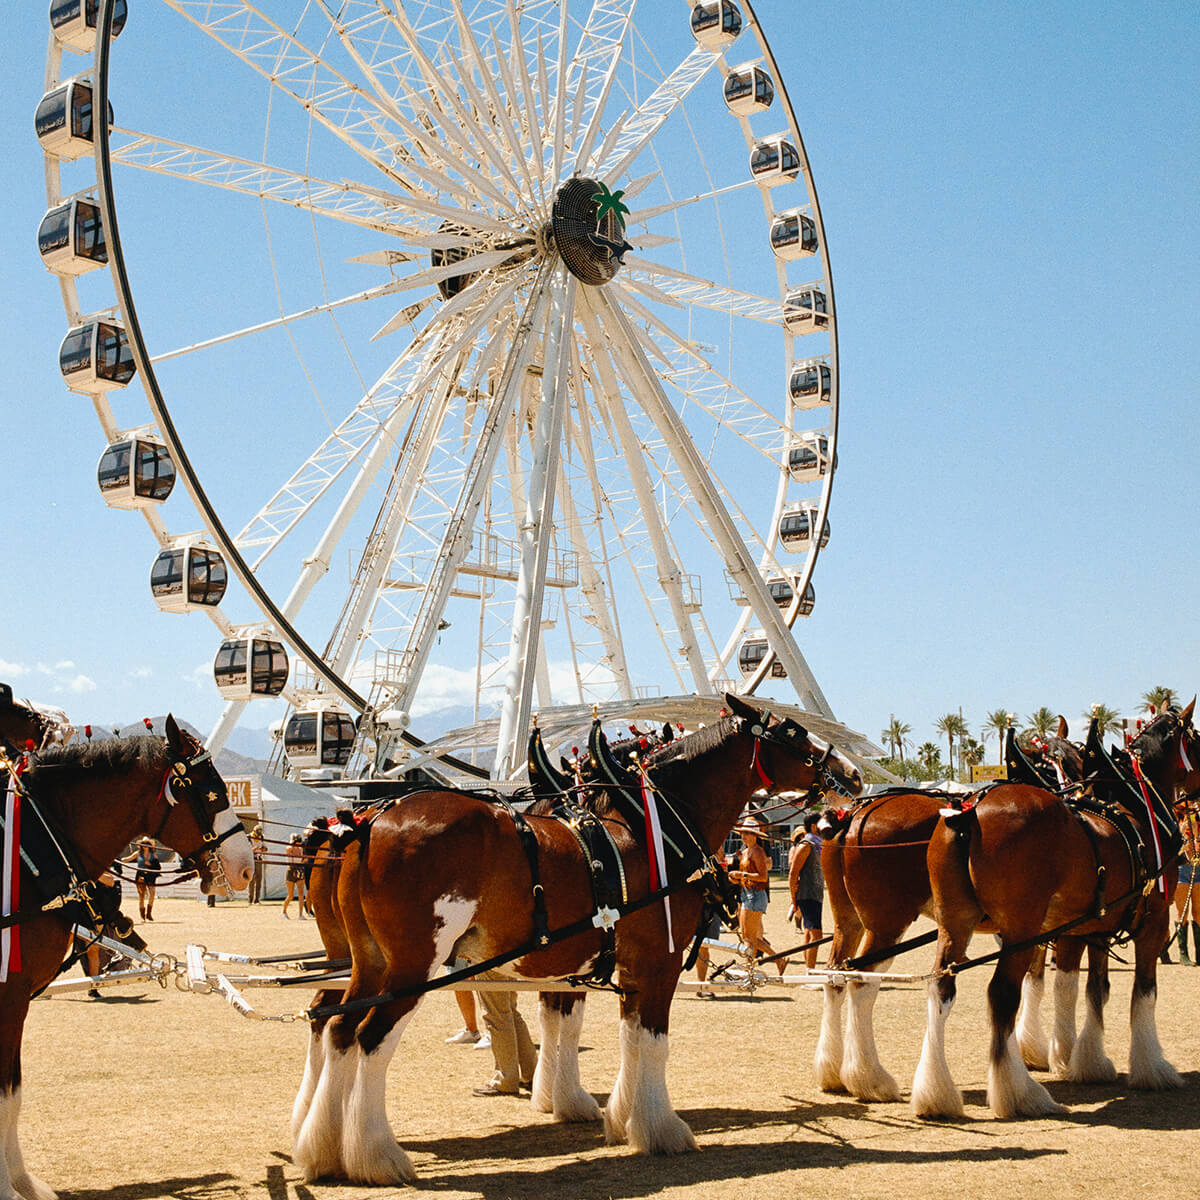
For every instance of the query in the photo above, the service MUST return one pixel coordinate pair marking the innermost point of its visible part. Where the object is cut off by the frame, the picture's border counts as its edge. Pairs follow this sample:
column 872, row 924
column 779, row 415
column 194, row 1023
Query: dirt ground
column 151, row 1093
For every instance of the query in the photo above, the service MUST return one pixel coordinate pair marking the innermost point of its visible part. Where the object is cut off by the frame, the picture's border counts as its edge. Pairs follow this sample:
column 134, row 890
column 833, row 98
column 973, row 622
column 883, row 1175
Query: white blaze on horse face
column 236, row 853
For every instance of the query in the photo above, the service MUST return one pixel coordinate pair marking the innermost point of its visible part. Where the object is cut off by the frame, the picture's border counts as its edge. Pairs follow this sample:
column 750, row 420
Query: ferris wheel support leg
column 695, row 473
column 535, row 532
column 669, row 573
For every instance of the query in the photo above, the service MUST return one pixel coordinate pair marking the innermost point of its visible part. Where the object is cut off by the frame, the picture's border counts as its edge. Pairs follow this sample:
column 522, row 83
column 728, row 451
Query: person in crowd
column 146, row 870
column 1187, row 887
column 259, row 846
column 295, row 875
column 751, row 876
column 469, row 1034
column 806, row 884
column 513, row 1050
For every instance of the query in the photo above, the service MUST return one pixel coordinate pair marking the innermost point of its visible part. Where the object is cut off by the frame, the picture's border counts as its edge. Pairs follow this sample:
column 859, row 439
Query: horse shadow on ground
column 1123, row 1107
column 795, row 1137
column 218, row 1185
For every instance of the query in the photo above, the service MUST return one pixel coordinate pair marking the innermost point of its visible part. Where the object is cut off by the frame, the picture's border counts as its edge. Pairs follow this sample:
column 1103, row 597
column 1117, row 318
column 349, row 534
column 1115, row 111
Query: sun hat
column 146, row 841
column 754, row 826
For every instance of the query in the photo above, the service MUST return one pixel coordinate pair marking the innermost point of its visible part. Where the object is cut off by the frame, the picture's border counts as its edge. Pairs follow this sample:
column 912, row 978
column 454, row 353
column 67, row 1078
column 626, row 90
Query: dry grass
column 154, row 1093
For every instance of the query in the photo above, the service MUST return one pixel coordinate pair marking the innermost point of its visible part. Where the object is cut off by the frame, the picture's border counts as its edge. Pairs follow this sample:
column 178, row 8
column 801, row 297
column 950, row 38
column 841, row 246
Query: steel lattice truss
column 583, row 482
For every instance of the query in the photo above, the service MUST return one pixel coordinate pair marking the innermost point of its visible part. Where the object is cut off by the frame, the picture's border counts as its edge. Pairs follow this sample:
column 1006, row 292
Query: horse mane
column 112, row 756
column 668, row 763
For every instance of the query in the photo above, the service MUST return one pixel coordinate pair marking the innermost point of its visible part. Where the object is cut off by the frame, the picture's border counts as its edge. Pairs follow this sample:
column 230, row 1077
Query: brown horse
column 878, row 884
column 99, row 797
column 22, row 722
column 1033, row 864
column 443, row 875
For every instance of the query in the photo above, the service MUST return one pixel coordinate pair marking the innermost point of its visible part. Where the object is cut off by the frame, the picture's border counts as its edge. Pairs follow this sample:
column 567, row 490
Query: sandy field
column 151, row 1093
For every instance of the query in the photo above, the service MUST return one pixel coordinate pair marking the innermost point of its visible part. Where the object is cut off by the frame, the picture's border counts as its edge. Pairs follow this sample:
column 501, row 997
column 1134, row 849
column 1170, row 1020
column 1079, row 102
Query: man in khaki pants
column 512, row 1047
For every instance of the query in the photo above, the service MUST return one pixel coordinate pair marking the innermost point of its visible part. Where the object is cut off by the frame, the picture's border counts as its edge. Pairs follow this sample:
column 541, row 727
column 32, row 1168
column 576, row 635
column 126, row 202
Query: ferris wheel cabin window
column 268, row 667
column 206, row 577
column 54, row 233
column 229, row 667
column 51, row 112
column 113, row 471
column 75, row 353
column 74, row 21
column 154, row 472
column 114, row 358
column 337, row 739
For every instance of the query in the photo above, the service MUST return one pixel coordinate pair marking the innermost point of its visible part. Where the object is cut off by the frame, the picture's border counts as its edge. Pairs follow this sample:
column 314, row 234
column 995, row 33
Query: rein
column 531, row 944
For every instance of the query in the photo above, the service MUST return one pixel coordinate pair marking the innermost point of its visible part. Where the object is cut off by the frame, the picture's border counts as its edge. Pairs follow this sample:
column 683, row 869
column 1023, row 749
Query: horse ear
column 1062, row 727
column 1186, row 715
column 740, row 708
column 174, row 740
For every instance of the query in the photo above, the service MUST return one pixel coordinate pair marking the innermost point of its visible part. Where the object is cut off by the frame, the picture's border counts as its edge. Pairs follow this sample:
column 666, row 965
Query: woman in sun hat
column 750, row 874
column 146, row 868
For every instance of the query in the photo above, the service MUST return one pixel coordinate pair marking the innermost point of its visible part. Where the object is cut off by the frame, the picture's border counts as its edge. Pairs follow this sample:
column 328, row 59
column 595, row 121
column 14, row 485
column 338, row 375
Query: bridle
column 794, row 738
column 185, row 781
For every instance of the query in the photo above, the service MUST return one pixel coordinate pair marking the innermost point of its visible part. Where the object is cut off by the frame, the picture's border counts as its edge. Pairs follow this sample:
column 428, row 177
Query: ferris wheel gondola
column 575, row 278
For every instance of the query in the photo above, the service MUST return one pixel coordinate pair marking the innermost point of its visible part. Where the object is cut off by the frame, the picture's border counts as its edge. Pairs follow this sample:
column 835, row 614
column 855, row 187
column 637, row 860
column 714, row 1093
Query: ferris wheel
column 492, row 341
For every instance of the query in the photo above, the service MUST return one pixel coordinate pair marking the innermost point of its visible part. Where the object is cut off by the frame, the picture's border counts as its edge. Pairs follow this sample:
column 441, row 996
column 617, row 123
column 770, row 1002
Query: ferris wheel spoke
column 345, row 201
column 593, row 67
column 746, row 575
column 374, row 417
column 654, row 112
column 494, row 106
column 690, row 289
column 339, row 104
column 642, row 215
column 694, row 376
column 425, row 278
column 437, row 80
column 457, row 536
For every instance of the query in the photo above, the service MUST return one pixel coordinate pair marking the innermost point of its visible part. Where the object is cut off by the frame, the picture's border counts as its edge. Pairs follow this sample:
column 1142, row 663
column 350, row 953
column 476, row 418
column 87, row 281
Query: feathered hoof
column 385, row 1164
column 29, row 1187
column 829, row 1074
column 576, row 1109
column 1103, row 1071
column 317, row 1161
column 1155, row 1077
column 1031, row 1101
column 614, row 1128
column 668, row 1134
column 1035, row 1056
column 944, row 1104
column 875, row 1085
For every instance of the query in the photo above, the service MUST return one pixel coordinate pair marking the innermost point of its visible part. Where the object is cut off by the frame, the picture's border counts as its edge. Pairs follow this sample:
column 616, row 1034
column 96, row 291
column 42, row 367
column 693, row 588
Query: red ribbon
column 650, row 856
column 767, row 781
column 1158, row 858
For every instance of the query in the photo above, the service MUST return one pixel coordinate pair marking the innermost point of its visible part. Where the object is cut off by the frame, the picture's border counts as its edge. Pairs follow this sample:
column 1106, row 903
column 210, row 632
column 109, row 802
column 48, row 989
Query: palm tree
column 953, row 726
column 1108, row 720
column 1156, row 699
column 970, row 751
column 929, row 755
column 894, row 735
column 999, row 721
column 1042, row 722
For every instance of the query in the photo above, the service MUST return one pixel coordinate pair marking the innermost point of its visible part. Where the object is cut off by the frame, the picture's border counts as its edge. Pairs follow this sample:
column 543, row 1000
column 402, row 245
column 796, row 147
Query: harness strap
column 497, row 960
column 541, row 924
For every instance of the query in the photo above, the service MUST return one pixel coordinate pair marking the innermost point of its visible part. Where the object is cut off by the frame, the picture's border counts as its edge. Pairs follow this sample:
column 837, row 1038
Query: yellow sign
column 240, row 793
column 983, row 772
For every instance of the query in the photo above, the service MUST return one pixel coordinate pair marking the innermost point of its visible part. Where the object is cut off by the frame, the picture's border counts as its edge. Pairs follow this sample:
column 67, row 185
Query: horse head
column 821, row 770
column 1163, row 750
column 217, row 846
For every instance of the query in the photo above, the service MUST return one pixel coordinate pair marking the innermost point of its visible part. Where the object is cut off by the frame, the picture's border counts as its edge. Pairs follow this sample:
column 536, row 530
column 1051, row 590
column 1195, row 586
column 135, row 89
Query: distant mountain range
column 247, row 750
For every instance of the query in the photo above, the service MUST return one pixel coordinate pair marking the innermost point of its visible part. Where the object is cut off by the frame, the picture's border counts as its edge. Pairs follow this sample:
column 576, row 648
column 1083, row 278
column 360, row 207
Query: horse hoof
column 669, row 1135
column 1156, row 1077
column 577, row 1109
column 614, row 1129
column 29, row 1187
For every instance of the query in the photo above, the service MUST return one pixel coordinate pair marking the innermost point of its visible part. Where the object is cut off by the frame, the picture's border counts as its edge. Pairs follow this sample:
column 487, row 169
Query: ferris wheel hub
column 588, row 231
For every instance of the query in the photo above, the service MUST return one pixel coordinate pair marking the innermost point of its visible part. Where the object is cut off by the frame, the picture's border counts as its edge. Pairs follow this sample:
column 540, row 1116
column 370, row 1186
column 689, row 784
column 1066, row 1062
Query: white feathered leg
column 616, row 1112
column 1012, row 1091
column 1088, row 1062
column 653, row 1126
column 317, row 1149
column 313, row 1063
column 1147, row 1066
column 934, row 1093
column 571, row 1101
column 827, row 1059
column 1031, row 1037
column 15, row 1180
column 863, row 1075
column 1062, row 1039
column 369, row 1150
column 546, row 1072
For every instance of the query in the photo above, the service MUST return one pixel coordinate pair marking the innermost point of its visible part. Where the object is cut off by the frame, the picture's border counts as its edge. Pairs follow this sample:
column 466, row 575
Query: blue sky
column 1009, row 193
